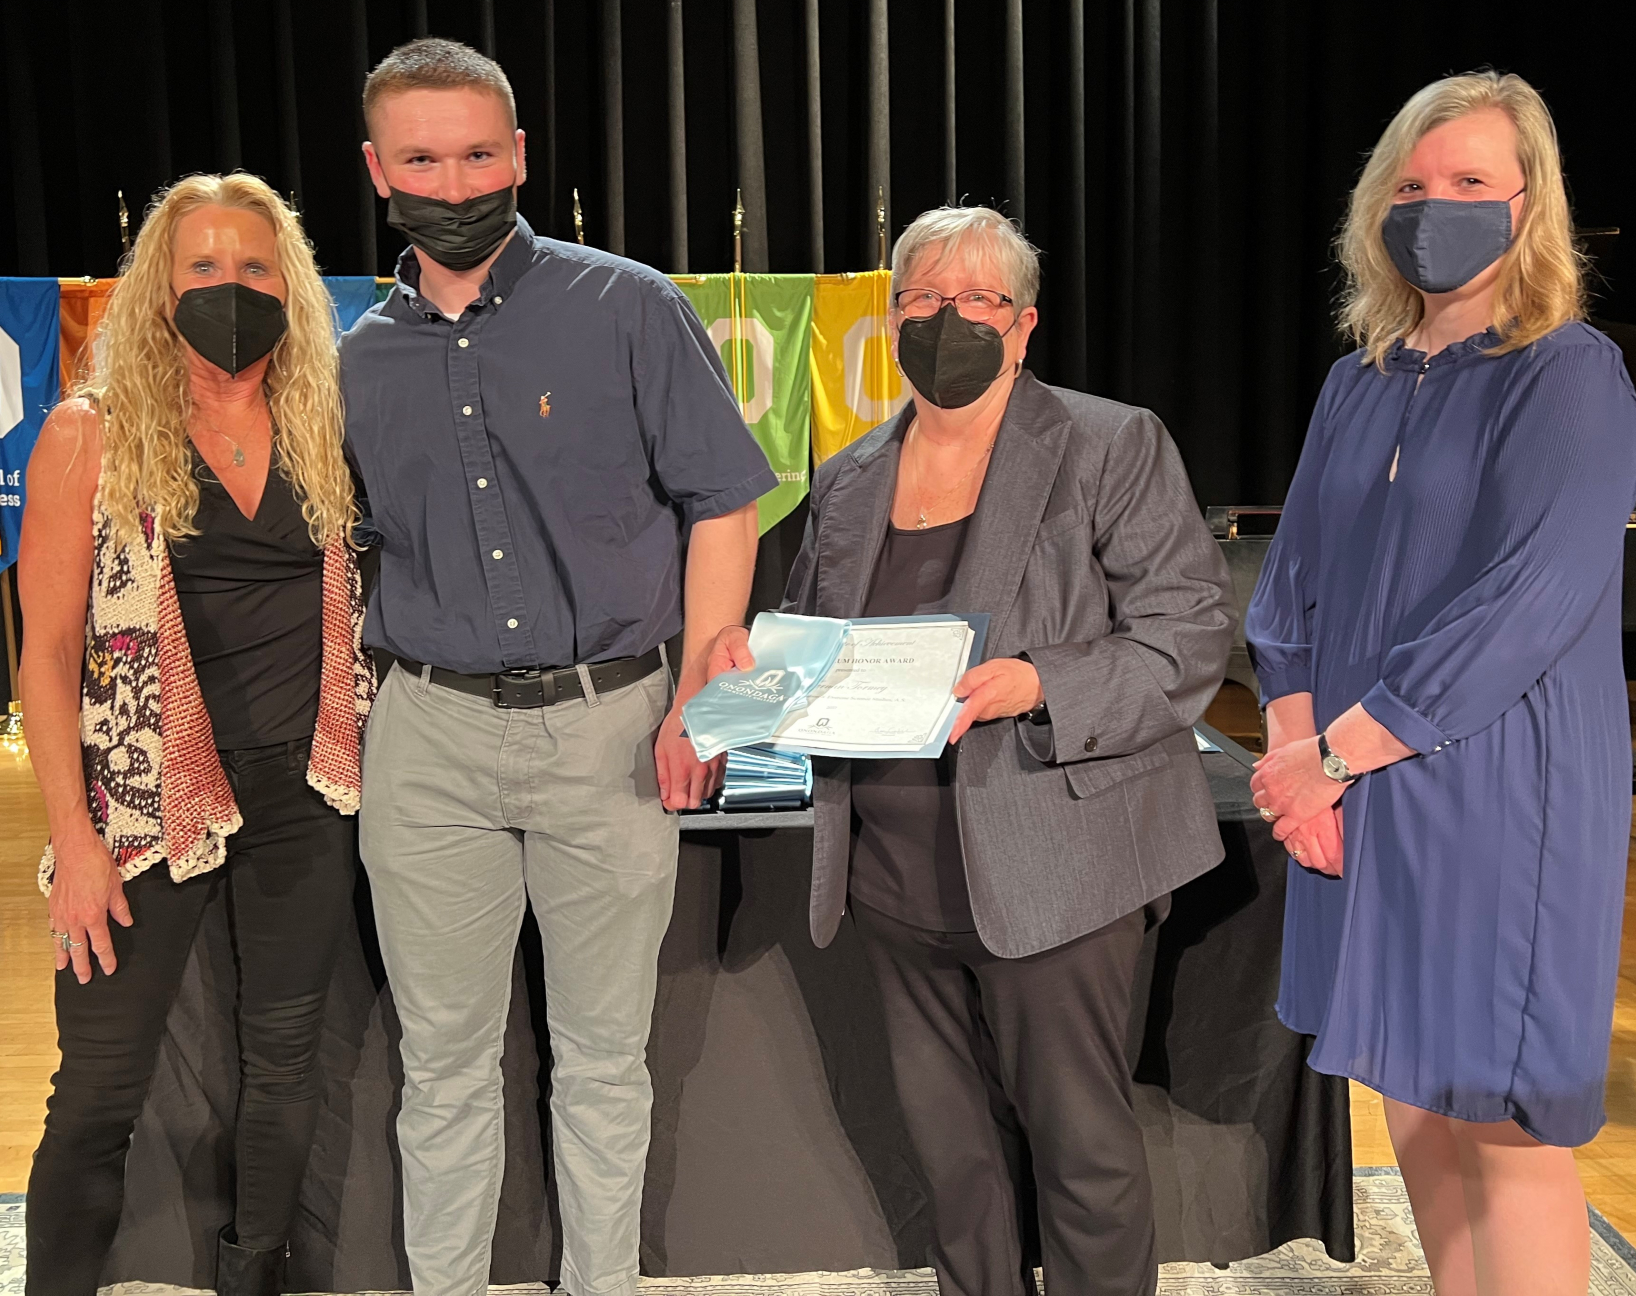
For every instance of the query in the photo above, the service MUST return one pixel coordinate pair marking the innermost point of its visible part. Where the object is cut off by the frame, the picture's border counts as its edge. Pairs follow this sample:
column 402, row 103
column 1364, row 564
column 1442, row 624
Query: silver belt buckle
column 524, row 690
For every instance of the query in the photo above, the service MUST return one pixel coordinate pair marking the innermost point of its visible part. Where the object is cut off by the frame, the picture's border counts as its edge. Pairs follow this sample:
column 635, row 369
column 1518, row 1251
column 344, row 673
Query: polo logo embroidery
column 545, row 405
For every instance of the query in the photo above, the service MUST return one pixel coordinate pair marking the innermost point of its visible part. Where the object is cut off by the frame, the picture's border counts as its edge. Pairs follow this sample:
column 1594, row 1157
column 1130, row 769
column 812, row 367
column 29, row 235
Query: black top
column 906, row 857
column 531, row 466
column 251, row 592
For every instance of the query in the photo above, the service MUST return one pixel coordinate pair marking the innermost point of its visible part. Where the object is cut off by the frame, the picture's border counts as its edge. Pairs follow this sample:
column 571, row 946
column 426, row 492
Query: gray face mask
column 1440, row 244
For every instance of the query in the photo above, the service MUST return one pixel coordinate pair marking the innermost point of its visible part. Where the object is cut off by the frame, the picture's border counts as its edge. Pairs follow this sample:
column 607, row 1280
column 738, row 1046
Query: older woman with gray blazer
column 1002, row 891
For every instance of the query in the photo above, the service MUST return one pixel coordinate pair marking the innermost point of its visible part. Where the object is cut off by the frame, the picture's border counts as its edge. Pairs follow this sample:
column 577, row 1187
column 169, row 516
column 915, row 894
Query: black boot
column 243, row 1272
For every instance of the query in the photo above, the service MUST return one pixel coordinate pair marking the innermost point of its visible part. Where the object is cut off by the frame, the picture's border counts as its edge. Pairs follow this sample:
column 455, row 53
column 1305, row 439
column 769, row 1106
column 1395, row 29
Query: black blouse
column 251, row 596
column 906, row 857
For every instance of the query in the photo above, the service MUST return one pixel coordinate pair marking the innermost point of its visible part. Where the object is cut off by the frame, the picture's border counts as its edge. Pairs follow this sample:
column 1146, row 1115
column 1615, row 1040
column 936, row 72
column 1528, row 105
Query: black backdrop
column 1219, row 141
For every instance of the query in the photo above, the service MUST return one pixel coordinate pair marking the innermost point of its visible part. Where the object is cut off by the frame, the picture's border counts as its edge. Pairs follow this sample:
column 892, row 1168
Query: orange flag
column 83, row 303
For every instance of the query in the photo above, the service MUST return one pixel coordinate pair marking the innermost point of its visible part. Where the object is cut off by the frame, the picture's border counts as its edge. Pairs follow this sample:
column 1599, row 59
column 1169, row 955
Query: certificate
column 890, row 692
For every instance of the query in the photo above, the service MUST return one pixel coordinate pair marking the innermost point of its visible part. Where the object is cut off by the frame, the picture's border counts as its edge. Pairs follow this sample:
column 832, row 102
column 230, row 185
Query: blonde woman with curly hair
column 196, row 692
column 1437, row 634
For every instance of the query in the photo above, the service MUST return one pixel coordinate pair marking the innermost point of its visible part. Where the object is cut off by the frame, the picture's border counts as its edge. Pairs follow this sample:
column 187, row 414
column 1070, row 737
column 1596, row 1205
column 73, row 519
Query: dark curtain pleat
column 1183, row 165
column 363, row 186
column 675, row 70
column 752, row 162
column 548, row 57
column 950, row 83
column 289, row 128
column 28, row 184
column 613, row 124
column 224, row 71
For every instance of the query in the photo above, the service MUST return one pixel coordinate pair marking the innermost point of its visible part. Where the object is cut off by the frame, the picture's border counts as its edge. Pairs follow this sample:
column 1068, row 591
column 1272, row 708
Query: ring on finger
column 1295, row 854
column 1267, row 814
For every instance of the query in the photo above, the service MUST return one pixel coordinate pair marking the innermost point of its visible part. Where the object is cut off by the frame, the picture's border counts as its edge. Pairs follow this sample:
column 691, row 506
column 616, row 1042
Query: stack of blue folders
column 760, row 777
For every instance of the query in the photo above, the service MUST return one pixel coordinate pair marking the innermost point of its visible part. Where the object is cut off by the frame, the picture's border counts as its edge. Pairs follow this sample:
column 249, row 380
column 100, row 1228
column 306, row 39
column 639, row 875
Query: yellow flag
column 855, row 382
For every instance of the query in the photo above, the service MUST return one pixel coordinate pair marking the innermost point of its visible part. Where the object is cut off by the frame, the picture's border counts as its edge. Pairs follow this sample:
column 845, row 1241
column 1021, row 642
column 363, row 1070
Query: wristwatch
column 1334, row 766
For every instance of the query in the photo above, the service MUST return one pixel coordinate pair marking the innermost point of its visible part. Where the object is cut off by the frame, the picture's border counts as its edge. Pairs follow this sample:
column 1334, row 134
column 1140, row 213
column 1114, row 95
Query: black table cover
column 778, row 1141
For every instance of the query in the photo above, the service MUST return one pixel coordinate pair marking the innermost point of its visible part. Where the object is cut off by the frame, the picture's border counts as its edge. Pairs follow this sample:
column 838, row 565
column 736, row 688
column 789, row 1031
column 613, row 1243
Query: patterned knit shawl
column 153, row 780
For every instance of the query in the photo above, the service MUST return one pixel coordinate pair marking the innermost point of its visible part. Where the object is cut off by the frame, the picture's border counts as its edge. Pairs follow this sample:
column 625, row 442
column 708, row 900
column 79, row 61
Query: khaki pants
column 469, row 810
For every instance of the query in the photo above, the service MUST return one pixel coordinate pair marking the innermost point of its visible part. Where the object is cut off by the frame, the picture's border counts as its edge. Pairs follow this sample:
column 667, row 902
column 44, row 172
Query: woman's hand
column 1318, row 843
column 1005, row 686
column 85, row 890
column 1291, row 785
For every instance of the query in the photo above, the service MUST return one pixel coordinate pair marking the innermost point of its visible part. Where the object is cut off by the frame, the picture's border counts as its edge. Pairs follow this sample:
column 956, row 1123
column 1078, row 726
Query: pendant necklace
column 238, row 450
column 922, row 522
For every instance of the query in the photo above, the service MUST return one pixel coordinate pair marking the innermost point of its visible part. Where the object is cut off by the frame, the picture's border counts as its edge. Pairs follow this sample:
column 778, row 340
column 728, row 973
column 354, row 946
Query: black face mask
column 459, row 235
column 948, row 359
column 1440, row 244
column 231, row 325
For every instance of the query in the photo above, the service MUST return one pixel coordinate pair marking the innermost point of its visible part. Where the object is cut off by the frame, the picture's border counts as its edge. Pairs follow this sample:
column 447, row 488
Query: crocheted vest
column 153, row 782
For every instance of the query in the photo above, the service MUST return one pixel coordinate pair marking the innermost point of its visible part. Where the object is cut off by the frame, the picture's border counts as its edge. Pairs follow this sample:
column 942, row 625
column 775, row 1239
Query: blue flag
column 28, row 390
column 352, row 295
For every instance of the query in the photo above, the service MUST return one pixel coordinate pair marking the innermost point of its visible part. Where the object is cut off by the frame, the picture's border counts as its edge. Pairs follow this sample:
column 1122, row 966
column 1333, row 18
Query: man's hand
column 1290, row 783
column 1005, row 686
column 685, row 782
column 85, row 890
column 730, row 650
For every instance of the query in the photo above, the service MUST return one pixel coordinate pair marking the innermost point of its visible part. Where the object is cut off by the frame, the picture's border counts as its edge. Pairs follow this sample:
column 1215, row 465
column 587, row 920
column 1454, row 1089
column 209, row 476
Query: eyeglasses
column 979, row 305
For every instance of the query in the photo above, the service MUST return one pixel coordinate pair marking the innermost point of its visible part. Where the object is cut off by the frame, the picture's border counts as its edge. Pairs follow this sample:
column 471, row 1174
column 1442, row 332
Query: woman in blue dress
column 1436, row 633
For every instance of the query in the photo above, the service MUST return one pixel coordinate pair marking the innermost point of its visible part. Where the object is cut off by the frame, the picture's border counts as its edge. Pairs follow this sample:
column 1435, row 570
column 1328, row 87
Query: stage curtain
column 1183, row 164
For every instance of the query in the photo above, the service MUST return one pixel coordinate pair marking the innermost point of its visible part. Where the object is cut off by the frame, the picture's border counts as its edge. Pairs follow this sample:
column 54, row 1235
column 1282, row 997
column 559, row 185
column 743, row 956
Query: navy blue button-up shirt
column 530, row 467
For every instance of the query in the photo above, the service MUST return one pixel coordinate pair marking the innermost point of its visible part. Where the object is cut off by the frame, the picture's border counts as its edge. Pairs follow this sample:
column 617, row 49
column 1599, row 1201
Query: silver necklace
column 238, row 450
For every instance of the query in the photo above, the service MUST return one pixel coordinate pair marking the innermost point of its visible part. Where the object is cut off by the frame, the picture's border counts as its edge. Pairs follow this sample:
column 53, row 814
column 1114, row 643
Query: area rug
column 1389, row 1264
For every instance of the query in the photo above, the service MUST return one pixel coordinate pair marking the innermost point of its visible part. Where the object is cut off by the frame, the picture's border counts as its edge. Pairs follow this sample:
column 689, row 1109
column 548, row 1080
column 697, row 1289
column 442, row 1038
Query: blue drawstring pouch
column 738, row 708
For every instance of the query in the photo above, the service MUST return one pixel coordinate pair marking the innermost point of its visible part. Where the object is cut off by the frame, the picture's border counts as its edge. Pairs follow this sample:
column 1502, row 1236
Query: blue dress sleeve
column 1552, row 505
column 1278, row 622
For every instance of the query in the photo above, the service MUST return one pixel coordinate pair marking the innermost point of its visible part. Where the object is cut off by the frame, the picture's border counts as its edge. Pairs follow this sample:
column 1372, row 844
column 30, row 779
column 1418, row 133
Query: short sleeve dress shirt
column 531, row 467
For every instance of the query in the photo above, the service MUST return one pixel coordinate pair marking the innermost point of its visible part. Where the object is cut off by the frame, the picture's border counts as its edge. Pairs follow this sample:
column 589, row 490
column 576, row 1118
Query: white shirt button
column 465, row 342
column 482, row 483
column 511, row 624
column 498, row 300
column 465, row 409
column 498, row 553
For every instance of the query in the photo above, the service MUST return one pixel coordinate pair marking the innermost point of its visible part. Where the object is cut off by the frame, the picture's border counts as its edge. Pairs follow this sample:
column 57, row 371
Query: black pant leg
column 958, row 1119
column 290, row 880
column 1058, row 1019
column 109, row 1032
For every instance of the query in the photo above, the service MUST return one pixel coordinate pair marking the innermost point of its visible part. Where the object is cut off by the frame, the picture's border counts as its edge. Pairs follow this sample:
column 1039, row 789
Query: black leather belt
column 541, row 686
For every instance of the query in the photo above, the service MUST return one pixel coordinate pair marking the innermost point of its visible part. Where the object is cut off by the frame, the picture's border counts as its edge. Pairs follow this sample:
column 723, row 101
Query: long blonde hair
column 139, row 380
column 1541, row 279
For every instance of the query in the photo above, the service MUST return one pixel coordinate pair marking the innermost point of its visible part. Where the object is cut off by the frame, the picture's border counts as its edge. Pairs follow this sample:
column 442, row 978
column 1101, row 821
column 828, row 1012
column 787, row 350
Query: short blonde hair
column 1541, row 280
column 140, row 386
column 433, row 63
column 945, row 231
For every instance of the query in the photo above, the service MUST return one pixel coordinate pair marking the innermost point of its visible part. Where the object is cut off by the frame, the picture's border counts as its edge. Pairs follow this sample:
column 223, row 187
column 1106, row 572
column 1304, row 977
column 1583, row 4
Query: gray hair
column 944, row 231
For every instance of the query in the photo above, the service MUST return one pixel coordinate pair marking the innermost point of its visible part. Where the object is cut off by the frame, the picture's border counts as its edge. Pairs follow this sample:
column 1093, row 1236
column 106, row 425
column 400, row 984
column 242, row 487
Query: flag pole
column 579, row 220
column 880, row 224
column 124, row 227
column 11, row 728
column 736, row 307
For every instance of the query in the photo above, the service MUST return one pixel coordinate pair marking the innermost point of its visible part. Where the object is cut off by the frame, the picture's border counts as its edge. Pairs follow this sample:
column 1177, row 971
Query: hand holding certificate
column 875, row 687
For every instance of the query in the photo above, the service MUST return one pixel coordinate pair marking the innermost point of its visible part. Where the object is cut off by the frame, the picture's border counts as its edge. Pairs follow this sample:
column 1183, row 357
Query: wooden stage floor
column 28, row 1040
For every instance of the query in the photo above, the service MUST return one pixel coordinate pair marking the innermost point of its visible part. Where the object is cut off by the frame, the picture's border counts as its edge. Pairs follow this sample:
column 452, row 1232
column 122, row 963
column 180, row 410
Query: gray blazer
column 1089, row 554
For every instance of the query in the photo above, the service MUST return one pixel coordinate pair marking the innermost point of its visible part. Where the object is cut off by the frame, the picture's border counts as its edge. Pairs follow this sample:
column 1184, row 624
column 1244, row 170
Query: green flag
column 762, row 328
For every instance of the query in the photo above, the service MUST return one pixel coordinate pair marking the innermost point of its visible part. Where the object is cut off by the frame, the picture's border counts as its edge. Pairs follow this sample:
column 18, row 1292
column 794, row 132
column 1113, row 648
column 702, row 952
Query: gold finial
column 579, row 219
column 124, row 225
column 738, row 232
column 880, row 223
